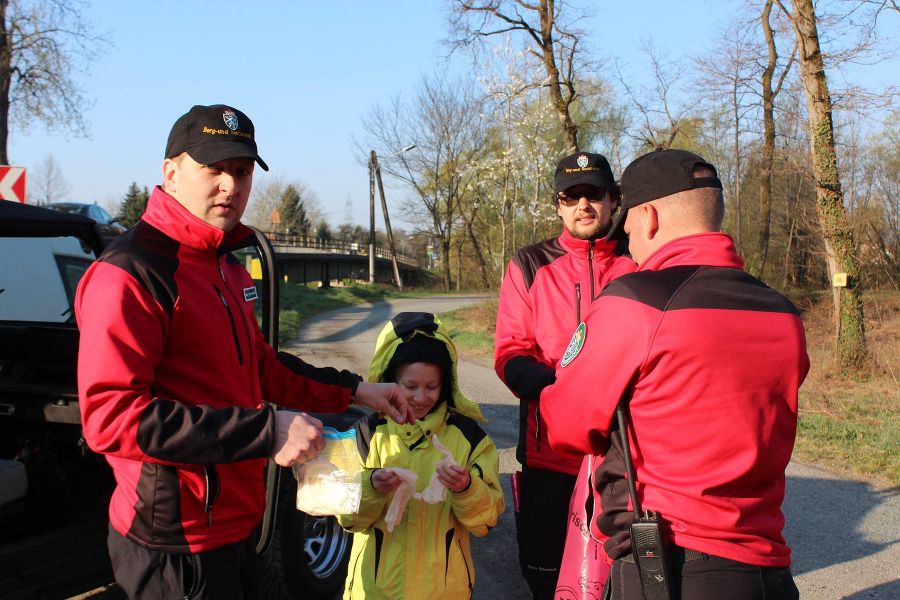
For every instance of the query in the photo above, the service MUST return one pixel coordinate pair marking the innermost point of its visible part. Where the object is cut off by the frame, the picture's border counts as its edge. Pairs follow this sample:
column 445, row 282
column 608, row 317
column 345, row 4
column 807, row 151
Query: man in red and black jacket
column 708, row 360
column 173, row 371
column 547, row 291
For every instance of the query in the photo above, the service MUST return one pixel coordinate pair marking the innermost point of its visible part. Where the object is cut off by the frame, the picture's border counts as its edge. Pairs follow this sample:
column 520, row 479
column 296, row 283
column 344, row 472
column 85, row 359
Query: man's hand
column 455, row 477
column 298, row 438
column 385, row 482
column 387, row 398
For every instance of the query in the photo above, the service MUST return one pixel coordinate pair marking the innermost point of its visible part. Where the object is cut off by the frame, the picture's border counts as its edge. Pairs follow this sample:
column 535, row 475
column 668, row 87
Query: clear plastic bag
column 331, row 483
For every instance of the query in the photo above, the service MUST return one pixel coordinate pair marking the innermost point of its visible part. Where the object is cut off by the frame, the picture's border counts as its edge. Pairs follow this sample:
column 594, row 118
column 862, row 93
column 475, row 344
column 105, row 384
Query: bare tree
column 727, row 74
column 840, row 244
column 444, row 122
column 553, row 38
column 663, row 121
column 48, row 183
column 768, row 143
column 262, row 210
column 43, row 43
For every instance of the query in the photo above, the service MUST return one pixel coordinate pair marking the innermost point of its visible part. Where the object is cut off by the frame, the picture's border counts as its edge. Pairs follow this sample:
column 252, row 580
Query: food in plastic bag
column 330, row 484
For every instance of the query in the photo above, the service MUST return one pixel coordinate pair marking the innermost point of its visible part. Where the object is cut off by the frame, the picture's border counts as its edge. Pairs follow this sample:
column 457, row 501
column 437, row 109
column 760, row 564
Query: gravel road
column 845, row 534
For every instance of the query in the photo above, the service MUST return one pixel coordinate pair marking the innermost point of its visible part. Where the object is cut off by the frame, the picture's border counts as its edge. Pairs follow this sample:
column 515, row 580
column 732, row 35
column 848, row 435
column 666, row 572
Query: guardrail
column 336, row 247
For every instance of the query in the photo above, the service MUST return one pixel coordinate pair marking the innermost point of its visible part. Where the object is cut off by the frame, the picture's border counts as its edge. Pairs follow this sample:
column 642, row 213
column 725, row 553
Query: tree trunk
column 5, row 80
column 476, row 247
column 840, row 245
column 768, row 148
column 736, row 152
column 570, row 130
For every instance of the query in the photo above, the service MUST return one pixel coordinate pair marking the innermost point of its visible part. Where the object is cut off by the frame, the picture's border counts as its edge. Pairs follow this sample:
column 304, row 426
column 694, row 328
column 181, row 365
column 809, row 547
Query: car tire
column 308, row 556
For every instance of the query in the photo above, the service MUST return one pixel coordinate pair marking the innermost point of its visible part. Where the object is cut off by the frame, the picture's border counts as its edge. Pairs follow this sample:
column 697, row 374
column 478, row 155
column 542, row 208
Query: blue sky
column 306, row 72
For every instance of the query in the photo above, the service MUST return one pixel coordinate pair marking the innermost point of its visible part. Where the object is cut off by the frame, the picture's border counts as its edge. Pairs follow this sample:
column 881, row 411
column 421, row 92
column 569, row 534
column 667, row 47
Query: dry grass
column 852, row 423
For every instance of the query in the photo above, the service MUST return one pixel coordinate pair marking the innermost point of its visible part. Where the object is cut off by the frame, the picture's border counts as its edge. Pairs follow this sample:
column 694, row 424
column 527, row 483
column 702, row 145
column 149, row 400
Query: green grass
column 472, row 328
column 300, row 302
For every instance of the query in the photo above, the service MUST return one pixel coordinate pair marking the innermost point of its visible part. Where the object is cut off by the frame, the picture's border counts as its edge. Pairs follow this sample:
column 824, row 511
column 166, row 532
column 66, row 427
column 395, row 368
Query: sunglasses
column 593, row 194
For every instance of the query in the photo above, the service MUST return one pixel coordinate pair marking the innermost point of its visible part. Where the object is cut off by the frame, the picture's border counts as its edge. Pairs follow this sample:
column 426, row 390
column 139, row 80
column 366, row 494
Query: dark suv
column 54, row 491
column 108, row 225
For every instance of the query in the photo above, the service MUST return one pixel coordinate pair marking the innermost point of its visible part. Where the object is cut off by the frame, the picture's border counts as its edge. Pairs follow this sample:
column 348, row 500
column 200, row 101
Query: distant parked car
column 108, row 225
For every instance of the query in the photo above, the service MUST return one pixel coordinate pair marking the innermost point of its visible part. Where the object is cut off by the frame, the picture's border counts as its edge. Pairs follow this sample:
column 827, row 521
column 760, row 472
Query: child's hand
column 384, row 482
column 455, row 477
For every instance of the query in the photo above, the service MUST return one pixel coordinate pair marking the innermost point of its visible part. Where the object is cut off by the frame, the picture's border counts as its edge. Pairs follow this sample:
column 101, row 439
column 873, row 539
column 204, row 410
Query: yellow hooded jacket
column 427, row 554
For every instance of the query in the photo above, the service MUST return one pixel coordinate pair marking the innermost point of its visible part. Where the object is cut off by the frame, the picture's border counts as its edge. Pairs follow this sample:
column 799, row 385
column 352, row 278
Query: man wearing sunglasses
column 546, row 293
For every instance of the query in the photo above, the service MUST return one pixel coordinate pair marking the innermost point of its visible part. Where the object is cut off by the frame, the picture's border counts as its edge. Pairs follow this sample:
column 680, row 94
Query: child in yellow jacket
column 426, row 553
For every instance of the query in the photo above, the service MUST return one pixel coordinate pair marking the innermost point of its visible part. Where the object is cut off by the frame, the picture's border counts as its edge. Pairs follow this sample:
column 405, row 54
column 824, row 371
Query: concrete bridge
column 304, row 259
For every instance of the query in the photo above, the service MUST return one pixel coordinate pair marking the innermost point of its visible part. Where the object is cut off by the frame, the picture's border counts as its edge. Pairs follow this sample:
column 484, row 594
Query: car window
column 100, row 215
column 38, row 277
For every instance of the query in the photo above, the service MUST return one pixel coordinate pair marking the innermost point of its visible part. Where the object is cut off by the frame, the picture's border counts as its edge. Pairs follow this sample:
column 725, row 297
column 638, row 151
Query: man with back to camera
column 173, row 371
column 547, row 291
column 708, row 360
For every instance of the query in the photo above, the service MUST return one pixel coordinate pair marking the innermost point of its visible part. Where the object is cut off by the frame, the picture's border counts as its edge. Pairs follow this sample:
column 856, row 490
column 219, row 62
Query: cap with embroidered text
column 210, row 134
column 583, row 168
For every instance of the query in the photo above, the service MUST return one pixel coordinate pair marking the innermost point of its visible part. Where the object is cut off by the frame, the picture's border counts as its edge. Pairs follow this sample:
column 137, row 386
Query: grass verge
column 847, row 424
column 298, row 302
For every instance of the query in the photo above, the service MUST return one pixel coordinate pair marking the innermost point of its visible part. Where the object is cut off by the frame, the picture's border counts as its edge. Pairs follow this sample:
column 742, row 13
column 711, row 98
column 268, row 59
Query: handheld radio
column 649, row 543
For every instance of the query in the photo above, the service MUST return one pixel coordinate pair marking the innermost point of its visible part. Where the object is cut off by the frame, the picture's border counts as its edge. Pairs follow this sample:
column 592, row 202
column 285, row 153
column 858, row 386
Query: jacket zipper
column 577, row 304
column 591, row 270
column 237, row 344
column 244, row 323
column 211, row 477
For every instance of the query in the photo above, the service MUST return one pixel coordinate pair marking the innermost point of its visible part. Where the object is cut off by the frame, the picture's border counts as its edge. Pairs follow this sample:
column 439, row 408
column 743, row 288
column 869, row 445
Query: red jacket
column 172, row 374
column 547, row 291
column 712, row 360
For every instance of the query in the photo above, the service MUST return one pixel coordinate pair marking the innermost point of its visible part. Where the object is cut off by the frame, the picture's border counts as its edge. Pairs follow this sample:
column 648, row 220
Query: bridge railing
column 337, row 247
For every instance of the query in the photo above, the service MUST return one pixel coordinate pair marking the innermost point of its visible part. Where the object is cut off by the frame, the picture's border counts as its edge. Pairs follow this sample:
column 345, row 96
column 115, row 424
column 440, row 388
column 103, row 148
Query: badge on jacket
column 575, row 344
column 250, row 293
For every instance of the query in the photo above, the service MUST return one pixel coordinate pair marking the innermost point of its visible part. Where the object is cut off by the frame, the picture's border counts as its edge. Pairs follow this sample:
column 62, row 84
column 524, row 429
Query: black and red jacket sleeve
column 515, row 341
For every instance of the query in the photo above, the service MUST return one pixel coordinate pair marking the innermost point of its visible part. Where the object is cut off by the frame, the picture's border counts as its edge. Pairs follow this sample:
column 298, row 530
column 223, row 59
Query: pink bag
column 584, row 566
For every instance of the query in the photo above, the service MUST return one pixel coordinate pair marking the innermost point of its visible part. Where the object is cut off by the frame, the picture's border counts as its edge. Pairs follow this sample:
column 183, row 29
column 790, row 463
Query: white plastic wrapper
column 330, row 484
column 433, row 493
column 401, row 496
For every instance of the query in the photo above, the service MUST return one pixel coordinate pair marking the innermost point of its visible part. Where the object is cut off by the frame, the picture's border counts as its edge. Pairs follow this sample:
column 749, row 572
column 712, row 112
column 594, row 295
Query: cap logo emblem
column 230, row 119
column 575, row 344
column 582, row 161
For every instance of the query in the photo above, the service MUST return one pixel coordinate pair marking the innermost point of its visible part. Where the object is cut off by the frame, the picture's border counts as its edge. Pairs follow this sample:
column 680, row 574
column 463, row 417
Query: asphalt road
column 845, row 534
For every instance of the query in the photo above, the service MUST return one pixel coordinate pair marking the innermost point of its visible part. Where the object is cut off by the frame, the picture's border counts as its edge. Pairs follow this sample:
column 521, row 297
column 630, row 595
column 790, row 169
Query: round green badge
column 575, row 344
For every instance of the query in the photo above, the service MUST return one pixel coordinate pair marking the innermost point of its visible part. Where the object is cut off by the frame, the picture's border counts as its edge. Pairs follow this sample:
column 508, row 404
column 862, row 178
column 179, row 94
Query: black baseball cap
column 656, row 175
column 583, row 168
column 213, row 133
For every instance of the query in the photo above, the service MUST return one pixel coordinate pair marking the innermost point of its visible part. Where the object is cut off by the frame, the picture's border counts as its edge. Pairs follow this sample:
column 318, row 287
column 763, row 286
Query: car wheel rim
column 325, row 545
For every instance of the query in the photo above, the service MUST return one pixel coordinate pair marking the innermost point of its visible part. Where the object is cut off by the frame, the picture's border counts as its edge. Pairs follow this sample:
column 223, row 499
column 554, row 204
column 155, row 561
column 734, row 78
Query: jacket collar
column 425, row 427
column 711, row 249
column 579, row 247
column 166, row 214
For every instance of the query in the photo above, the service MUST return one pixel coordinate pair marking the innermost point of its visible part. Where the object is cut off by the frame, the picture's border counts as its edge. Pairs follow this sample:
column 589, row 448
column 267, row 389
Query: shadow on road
column 887, row 590
column 817, row 543
column 498, row 414
column 375, row 317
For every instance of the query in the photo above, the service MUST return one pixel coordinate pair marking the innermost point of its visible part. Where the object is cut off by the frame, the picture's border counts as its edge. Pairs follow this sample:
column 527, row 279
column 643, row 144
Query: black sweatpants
column 226, row 573
column 541, row 527
column 710, row 578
